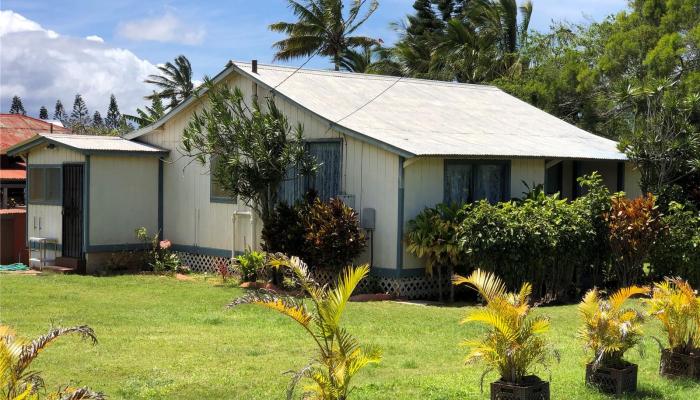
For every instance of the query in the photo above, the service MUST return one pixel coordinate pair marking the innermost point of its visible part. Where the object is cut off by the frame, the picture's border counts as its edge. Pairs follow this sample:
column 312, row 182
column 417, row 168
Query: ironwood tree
column 17, row 107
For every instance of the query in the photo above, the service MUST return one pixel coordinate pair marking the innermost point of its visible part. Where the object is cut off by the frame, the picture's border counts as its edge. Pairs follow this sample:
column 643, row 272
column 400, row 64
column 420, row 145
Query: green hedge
column 677, row 249
column 557, row 245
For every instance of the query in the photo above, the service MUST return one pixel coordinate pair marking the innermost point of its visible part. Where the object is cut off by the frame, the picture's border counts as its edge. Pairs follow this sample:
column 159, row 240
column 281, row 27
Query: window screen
column 217, row 193
column 45, row 185
column 471, row 180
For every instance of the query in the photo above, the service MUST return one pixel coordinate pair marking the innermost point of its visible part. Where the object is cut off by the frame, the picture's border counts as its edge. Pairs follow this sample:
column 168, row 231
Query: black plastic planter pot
column 532, row 388
column 612, row 380
column 677, row 365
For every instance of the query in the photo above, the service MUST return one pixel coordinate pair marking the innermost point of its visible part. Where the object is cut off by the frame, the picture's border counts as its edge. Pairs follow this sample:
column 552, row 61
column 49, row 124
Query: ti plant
column 340, row 356
column 609, row 327
column 514, row 342
column 18, row 382
column 675, row 304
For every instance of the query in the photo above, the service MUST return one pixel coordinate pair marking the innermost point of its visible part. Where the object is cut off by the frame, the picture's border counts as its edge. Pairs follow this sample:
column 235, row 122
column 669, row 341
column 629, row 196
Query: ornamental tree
column 253, row 146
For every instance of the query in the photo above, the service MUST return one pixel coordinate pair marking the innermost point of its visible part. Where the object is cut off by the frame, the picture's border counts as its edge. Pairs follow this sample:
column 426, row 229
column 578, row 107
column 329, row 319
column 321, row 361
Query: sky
column 52, row 50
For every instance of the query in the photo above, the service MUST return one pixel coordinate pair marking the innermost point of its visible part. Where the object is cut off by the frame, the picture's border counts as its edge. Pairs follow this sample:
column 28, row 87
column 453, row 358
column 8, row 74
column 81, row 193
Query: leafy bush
column 634, row 225
column 610, row 329
column 675, row 304
column 676, row 251
column 542, row 239
column 340, row 355
column 250, row 264
column 513, row 343
column 18, row 382
column 159, row 257
column 326, row 233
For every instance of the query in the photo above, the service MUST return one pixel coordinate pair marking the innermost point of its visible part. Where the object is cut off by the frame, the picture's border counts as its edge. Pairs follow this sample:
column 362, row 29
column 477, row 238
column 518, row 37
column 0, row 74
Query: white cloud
column 95, row 38
column 41, row 66
column 166, row 28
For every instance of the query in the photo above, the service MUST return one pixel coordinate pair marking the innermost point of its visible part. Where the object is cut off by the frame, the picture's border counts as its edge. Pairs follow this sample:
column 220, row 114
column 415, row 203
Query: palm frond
column 488, row 284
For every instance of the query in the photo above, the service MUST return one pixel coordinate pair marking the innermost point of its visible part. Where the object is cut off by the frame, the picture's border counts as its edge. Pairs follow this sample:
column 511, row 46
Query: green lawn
column 165, row 339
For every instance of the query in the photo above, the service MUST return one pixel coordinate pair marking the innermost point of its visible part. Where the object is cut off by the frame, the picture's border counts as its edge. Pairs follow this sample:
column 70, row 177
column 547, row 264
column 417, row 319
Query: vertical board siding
column 123, row 197
column 189, row 218
column 525, row 171
column 47, row 220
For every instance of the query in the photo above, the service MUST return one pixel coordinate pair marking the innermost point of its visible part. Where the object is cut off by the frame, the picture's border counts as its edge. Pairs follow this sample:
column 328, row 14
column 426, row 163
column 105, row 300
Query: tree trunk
column 439, row 268
column 452, row 287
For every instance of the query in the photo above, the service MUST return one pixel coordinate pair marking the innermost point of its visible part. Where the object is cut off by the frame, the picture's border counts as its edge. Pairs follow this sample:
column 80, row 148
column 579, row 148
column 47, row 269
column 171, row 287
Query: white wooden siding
column 123, row 197
column 368, row 172
column 525, row 171
column 47, row 220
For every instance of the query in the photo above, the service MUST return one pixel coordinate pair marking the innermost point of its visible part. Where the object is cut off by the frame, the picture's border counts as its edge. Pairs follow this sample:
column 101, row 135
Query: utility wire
column 296, row 70
column 370, row 100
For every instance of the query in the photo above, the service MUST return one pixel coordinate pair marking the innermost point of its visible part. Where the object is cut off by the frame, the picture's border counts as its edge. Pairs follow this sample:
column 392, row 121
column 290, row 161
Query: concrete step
column 55, row 268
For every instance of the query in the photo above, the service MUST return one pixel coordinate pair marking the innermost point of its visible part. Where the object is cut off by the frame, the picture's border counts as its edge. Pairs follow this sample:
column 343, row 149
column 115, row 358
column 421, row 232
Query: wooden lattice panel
column 202, row 263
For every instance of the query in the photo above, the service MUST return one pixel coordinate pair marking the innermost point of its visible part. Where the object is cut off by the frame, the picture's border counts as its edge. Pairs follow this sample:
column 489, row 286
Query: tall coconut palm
column 322, row 28
column 150, row 114
column 16, row 356
column 498, row 19
column 174, row 82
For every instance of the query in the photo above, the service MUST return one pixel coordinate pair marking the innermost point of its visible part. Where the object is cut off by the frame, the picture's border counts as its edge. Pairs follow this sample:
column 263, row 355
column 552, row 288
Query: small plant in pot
column 675, row 304
column 609, row 329
column 514, row 343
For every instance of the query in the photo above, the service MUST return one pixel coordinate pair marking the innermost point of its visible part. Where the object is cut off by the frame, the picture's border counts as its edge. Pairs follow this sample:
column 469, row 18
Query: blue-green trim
column 207, row 251
column 106, row 248
column 160, row 198
column 397, row 273
column 400, row 215
column 86, row 204
column 506, row 189
column 58, row 202
column 222, row 200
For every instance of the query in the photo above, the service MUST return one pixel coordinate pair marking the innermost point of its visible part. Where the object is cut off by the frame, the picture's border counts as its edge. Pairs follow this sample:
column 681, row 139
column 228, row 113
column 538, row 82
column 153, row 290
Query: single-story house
column 388, row 146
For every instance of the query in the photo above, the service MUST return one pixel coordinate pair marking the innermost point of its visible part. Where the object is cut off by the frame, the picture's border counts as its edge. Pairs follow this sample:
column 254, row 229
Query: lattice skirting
column 202, row 263
column 418, row 287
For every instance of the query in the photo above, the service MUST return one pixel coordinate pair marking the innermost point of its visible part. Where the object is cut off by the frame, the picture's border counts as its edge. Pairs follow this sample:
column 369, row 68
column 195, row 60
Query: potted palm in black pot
column 609, row 329
column 675, row 304
column 514, row 343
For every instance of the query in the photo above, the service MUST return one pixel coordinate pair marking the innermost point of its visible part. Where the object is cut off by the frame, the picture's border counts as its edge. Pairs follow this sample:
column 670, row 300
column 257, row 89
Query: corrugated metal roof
column 431, row 118
column 416, row 117
column 15, row 128
column 89, row 144
column 13, row 175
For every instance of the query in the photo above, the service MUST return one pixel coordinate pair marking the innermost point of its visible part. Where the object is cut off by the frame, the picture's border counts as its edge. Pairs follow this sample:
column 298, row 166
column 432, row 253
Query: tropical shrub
column 250, row 264
column 325, row 233
column 333, row 234
column 676, row 251
column 633, row 226
column 675, row 304
column 18, row 381
column 513, row 343
column 159, row 257
column 434, row 236
column 340, row 355
column 609, row 328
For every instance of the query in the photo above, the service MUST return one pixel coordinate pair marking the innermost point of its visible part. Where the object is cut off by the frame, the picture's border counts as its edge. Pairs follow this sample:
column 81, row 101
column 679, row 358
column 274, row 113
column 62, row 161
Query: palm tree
column 16, row 356
column 462, row 54
column 175, row 81
column 323, row 29
column 340, row 356
column 150, row 115
column 498, row 19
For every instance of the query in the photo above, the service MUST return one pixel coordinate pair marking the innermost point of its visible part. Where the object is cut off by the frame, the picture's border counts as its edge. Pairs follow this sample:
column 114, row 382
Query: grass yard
column 161, row 338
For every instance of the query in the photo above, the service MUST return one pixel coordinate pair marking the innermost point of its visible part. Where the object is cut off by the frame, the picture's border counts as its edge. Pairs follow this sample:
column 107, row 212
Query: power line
column 296, row 70
column 370, row 100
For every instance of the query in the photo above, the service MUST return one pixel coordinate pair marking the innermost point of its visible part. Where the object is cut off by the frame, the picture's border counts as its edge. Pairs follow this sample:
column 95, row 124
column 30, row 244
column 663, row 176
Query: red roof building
column 15, row 128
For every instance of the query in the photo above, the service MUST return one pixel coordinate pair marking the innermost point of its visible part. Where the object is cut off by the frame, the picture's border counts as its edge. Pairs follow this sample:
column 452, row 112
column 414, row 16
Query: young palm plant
column 675, row 304
column 609, row 327
column 340, row 355
column 514, row 342
column 18, row 382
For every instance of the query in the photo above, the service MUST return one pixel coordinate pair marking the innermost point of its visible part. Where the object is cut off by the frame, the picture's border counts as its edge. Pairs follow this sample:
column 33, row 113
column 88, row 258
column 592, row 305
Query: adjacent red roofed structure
column 16, row 128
